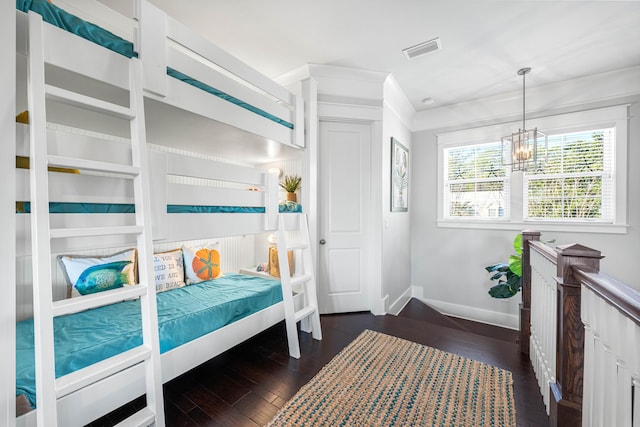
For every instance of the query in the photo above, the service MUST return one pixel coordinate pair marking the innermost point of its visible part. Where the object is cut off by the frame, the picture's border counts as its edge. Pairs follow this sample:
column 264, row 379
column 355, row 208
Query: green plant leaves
column 515, row 264
column 508, row 288
column 502, row 290
column 497, row 267
column 517, row 244
column 291, row 183
column 508, row 276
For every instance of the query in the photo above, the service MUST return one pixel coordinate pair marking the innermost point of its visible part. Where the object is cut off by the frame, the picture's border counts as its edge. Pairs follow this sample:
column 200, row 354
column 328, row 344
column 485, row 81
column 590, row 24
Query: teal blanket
column 184, row 314
column 55, row 16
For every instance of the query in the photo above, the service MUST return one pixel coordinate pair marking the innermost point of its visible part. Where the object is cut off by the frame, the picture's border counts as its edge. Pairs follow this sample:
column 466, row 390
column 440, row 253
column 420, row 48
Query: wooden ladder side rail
column 148, row 303
column 311, row 323
column 7, row 215
column 309, row 313
column 40, row 229
column 47, row 387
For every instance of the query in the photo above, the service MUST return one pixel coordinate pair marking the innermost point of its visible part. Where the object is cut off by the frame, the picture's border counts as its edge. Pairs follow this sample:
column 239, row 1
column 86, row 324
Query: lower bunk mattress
column 184, row 314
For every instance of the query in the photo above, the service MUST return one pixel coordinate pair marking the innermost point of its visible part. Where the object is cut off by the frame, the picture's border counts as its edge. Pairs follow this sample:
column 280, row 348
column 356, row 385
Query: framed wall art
column 399, row 177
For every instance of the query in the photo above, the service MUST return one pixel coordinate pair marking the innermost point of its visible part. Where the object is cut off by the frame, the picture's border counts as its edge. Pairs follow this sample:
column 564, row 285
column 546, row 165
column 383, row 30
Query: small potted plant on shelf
column 291, row 184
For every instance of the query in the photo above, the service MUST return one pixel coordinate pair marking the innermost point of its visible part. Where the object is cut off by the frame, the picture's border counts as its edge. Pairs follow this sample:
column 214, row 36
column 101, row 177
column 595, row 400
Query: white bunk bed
column 275, row 114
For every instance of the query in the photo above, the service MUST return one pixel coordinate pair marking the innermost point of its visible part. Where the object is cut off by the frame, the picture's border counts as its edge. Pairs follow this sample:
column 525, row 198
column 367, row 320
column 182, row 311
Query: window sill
column 535, row 225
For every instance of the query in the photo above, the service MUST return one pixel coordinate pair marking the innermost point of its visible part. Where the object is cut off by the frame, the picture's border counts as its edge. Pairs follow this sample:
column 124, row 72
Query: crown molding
column 397, row 102
column 570, row 93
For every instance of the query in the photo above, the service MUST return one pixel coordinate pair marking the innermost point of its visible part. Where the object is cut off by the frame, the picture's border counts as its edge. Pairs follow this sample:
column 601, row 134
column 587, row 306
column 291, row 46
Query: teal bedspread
column 184, row 314
column 55, row 16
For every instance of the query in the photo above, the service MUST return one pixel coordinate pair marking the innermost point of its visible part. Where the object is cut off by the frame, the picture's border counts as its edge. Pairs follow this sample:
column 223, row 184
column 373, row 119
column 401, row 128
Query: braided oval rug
column 381, row 380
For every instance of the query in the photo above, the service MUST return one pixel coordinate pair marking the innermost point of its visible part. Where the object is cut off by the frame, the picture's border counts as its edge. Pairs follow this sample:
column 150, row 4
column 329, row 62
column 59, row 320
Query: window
column 576, row 182
column 475, row 182
column 581, row 187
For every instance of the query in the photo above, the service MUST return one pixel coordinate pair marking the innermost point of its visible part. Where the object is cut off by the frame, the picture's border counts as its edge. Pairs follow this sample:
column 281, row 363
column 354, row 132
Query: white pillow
column 89, row 274
column 202, row 263
column 168, row 270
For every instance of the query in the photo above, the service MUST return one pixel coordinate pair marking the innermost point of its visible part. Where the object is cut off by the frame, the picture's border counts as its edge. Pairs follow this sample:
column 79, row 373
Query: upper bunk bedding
column 184, row 314
column 88, row 31
column 90, row 208
column 55, row 16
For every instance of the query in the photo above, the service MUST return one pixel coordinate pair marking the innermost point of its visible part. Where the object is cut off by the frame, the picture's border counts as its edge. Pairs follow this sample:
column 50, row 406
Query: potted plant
column 291, row 184
column 508, row 276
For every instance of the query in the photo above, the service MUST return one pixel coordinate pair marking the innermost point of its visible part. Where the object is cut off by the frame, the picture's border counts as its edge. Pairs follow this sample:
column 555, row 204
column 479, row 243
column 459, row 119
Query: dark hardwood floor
column 247, row 385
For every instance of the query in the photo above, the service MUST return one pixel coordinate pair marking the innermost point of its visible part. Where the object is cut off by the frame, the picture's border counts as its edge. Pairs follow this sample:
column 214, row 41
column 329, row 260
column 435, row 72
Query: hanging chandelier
column 527, row 148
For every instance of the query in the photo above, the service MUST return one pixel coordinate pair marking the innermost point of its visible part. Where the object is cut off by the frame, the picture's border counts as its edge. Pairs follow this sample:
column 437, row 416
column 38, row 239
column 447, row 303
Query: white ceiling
column 484, row 42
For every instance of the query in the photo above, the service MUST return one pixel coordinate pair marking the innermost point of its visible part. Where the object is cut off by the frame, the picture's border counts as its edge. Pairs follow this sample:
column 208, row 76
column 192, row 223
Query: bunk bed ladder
column 303, row 284
column 49, row 388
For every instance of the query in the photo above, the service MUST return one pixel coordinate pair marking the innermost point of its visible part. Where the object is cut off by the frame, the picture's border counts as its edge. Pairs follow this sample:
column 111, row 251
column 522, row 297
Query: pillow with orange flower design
column 201, row 264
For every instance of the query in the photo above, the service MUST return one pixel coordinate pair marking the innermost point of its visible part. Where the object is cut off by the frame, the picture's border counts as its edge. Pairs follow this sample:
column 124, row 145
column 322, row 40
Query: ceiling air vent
column 422, row 48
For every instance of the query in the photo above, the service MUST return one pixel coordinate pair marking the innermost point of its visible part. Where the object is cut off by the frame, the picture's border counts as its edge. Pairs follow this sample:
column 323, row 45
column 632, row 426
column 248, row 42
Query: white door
column 343, row 217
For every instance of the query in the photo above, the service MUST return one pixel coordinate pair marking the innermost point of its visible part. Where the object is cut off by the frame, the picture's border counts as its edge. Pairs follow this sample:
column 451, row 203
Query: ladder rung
column 307, row 311
column 101, row 370
column 78, row 100
column 93, row 165
column 295, row 280
column 61, row 233
column 295, row 246
column 86, row 302
column 143, row 417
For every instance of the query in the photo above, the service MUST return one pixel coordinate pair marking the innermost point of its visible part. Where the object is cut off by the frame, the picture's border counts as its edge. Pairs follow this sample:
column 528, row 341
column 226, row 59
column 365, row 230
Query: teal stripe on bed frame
column 110, row 208
column 193, row 82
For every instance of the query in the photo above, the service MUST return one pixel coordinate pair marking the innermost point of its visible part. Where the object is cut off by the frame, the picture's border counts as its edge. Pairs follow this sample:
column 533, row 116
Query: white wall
column 447, row 264
column 396, row 226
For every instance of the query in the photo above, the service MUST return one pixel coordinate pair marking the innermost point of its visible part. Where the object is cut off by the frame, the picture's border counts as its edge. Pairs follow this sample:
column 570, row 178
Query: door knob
column 322, row 241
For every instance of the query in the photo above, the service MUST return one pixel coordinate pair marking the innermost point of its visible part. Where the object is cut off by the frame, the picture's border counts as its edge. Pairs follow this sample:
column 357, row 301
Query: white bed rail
column 177, row 179
column 543, row 317
column 200, row 186
column 190, row 53
column 611, row 316
column 163, row 42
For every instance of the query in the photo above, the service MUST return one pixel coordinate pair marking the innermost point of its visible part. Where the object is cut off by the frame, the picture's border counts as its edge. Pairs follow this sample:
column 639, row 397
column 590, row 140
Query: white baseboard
column 510, row 321
column 379, row 306
column 396, row 307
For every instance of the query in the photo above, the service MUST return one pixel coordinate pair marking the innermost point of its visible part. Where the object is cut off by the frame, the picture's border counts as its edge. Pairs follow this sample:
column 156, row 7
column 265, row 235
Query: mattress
column 54, row 15
column 184, row 314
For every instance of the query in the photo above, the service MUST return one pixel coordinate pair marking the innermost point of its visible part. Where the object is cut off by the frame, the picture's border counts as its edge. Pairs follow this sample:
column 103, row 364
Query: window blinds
column 476, row 184
column 577, row 181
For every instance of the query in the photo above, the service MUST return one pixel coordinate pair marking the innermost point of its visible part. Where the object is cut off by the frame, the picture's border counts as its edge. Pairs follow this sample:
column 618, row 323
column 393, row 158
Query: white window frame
column 505, row 179
column 615, row 116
